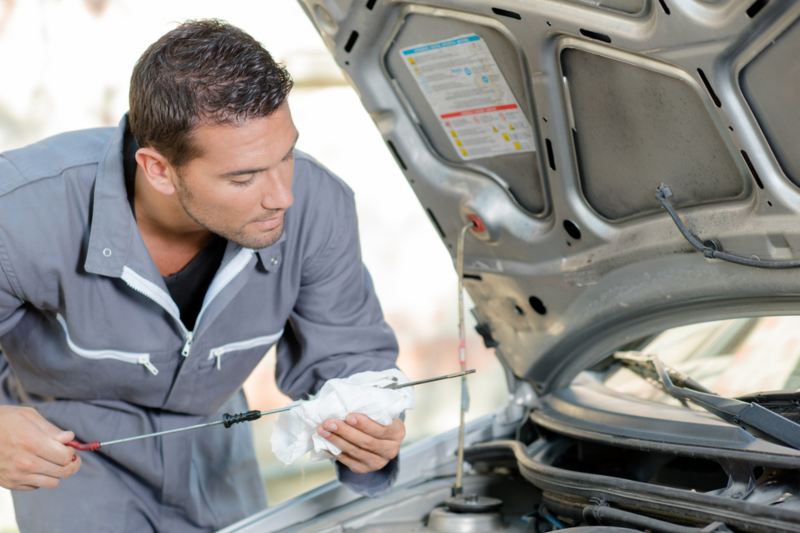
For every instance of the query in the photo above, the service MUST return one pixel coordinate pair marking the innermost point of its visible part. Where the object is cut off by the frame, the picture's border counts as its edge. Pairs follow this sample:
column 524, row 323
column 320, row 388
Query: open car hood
column 555, row 121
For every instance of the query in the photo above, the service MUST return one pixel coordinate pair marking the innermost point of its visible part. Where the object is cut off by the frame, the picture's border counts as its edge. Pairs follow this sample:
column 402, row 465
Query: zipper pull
column 188, row 345
column 217, row 353
column 145, row 361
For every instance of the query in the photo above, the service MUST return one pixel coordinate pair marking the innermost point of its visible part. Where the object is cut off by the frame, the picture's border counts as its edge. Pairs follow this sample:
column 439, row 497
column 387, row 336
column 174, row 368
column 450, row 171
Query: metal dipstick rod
column 462, row 360
column 230, row 419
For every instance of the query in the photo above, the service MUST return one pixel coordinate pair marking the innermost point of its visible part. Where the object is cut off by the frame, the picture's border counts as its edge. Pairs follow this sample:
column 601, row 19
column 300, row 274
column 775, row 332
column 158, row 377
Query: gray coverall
column 93, row 340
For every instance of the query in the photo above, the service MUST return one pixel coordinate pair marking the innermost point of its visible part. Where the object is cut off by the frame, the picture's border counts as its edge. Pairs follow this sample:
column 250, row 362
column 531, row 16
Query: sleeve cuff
column 372, row 483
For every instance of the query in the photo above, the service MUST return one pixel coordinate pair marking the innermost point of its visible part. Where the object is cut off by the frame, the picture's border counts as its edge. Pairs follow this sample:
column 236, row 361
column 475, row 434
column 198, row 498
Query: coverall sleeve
column 11, row 301
column 337, row 327
column 11, row 304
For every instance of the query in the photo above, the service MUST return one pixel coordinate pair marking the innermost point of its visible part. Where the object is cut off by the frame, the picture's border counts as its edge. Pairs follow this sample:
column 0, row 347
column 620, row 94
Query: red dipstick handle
column 84, row 447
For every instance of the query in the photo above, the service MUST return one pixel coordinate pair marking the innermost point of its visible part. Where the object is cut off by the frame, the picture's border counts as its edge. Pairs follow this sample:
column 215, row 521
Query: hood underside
column 555, row 121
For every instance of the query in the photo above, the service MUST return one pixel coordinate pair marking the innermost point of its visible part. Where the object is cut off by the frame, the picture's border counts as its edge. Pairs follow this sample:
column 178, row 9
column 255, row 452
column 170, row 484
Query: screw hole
column 769, row 203
column 519, row 310
column 709, row 88
column 537, row 305
column 753, row 10
column 752, row 169
column 506, row 13
column 596, row 35
column 551, row 158
column 572, row 229
column 351, row 41
column 547, row 22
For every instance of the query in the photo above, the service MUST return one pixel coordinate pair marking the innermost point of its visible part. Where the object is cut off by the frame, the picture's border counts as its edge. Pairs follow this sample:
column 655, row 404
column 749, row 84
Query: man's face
column 241, row 185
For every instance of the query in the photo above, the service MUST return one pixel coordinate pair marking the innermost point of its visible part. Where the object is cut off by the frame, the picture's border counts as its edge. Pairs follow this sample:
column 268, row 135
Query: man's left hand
column 366, row 445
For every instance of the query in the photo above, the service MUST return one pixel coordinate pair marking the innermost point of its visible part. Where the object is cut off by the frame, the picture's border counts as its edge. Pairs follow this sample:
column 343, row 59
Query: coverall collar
column 111, row 227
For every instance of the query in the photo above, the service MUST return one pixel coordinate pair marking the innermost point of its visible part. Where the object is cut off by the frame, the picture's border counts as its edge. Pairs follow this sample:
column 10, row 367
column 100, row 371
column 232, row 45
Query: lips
column 267, row 224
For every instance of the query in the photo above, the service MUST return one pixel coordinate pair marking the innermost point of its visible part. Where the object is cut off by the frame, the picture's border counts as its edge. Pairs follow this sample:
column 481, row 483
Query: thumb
column 64, row 437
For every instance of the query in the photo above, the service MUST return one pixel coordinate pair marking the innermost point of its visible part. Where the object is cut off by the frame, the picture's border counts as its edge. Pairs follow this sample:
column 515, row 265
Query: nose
column 277, row 191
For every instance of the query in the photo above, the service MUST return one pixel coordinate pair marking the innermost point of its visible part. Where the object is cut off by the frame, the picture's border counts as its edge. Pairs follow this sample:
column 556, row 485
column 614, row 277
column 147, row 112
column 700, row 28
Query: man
column 144, row 271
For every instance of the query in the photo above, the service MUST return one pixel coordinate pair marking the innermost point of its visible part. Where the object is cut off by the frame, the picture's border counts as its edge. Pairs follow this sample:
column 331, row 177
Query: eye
column 243, row 183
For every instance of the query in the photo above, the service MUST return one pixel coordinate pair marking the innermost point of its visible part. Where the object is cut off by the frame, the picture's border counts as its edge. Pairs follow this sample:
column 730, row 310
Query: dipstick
column 227, row 420
column 230, row 419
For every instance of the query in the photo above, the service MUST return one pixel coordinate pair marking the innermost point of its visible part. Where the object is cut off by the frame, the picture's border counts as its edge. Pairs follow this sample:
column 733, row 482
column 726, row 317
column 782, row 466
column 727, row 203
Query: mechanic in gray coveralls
column 145, row 270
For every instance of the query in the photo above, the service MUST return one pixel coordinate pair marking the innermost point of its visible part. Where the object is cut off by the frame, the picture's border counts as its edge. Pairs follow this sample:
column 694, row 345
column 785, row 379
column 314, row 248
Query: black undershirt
column 188, row 286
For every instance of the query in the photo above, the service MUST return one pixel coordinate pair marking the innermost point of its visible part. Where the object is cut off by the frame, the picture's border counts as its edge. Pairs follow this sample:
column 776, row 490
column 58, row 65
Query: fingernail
column 331, row 426
column 352, row 420
column 324, row 433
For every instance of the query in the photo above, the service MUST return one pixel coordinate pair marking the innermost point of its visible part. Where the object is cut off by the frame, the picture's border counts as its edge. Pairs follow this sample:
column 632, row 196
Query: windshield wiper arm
column 748, row 415
column 639, row 363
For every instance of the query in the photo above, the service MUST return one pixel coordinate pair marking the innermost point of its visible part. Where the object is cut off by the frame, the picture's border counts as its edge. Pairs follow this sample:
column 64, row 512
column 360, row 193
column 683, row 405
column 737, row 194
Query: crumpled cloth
column 295, row 433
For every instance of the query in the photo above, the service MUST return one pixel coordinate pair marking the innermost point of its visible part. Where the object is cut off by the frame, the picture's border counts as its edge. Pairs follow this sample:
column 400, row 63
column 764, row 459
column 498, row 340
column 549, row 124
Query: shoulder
column 51, row 157
column 323, row 212
column 315, row 180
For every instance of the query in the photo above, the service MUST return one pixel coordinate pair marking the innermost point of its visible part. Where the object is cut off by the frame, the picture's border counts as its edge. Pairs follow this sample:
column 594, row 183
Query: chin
column 258, row 240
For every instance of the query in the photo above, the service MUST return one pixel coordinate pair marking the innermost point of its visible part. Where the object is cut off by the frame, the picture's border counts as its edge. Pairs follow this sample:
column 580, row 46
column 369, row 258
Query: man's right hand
column 32, row 450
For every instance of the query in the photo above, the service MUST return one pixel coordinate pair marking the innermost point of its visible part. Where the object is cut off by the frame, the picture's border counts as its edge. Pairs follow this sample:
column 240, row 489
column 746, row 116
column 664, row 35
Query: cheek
column 228, row 203
column 235, row 198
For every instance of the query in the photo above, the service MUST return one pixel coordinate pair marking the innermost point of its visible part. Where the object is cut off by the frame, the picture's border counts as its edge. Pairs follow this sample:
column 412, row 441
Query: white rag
column 295, row 433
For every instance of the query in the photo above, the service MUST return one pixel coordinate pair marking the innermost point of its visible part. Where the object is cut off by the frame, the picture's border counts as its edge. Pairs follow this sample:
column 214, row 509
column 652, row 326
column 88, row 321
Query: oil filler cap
column 473, row 503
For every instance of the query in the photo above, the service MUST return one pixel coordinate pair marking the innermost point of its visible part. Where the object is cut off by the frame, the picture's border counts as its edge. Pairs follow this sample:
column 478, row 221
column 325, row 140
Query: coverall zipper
column 155, row 293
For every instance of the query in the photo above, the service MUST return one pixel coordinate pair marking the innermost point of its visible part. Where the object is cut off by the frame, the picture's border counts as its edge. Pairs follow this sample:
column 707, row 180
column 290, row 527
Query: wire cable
column 664, row 193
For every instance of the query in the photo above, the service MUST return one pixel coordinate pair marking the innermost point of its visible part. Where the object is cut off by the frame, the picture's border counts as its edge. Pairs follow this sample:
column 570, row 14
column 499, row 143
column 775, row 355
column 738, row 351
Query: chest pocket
column 136, row 358
column 220, row 351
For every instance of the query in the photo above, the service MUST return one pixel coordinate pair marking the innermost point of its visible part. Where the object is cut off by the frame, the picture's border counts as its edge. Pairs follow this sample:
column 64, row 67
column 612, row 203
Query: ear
column 157, row 170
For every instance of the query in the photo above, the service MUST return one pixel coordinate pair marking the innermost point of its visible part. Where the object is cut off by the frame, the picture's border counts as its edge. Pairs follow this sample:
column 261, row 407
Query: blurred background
column 66, row 65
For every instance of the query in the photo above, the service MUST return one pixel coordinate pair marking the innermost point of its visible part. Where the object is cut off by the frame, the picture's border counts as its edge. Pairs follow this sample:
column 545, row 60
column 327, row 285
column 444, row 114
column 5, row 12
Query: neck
column 170, row 235
column 163, row 217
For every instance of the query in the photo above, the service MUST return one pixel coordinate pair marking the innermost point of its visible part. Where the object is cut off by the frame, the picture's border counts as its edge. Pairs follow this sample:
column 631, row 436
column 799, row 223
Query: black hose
column 603, row 514
column 665, row 193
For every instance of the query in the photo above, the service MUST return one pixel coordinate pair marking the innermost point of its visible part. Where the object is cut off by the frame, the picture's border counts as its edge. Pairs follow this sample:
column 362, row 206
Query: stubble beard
column 237, row 236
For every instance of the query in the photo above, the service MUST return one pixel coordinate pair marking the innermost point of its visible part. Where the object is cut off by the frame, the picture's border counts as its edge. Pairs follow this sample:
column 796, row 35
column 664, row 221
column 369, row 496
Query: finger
column 65, row 436
column 395, row 431
column 30, row 465
column 55, row 452
column 51, row 447
column 353, row 464
column 46, row 468
column 353, row 435
column 371, row 460
column 385, row 449
column 40, row 481
column 366, row 424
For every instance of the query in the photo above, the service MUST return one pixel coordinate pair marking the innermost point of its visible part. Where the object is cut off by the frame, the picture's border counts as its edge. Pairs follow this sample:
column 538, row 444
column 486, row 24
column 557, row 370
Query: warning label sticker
column 471, row 98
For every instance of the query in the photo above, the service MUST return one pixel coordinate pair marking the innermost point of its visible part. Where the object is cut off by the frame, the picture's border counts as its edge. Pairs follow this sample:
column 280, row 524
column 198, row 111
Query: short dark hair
column 203, row 71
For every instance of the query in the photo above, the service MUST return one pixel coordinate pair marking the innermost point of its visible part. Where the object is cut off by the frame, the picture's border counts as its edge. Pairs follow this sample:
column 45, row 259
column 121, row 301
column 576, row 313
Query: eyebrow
column 245, row 171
